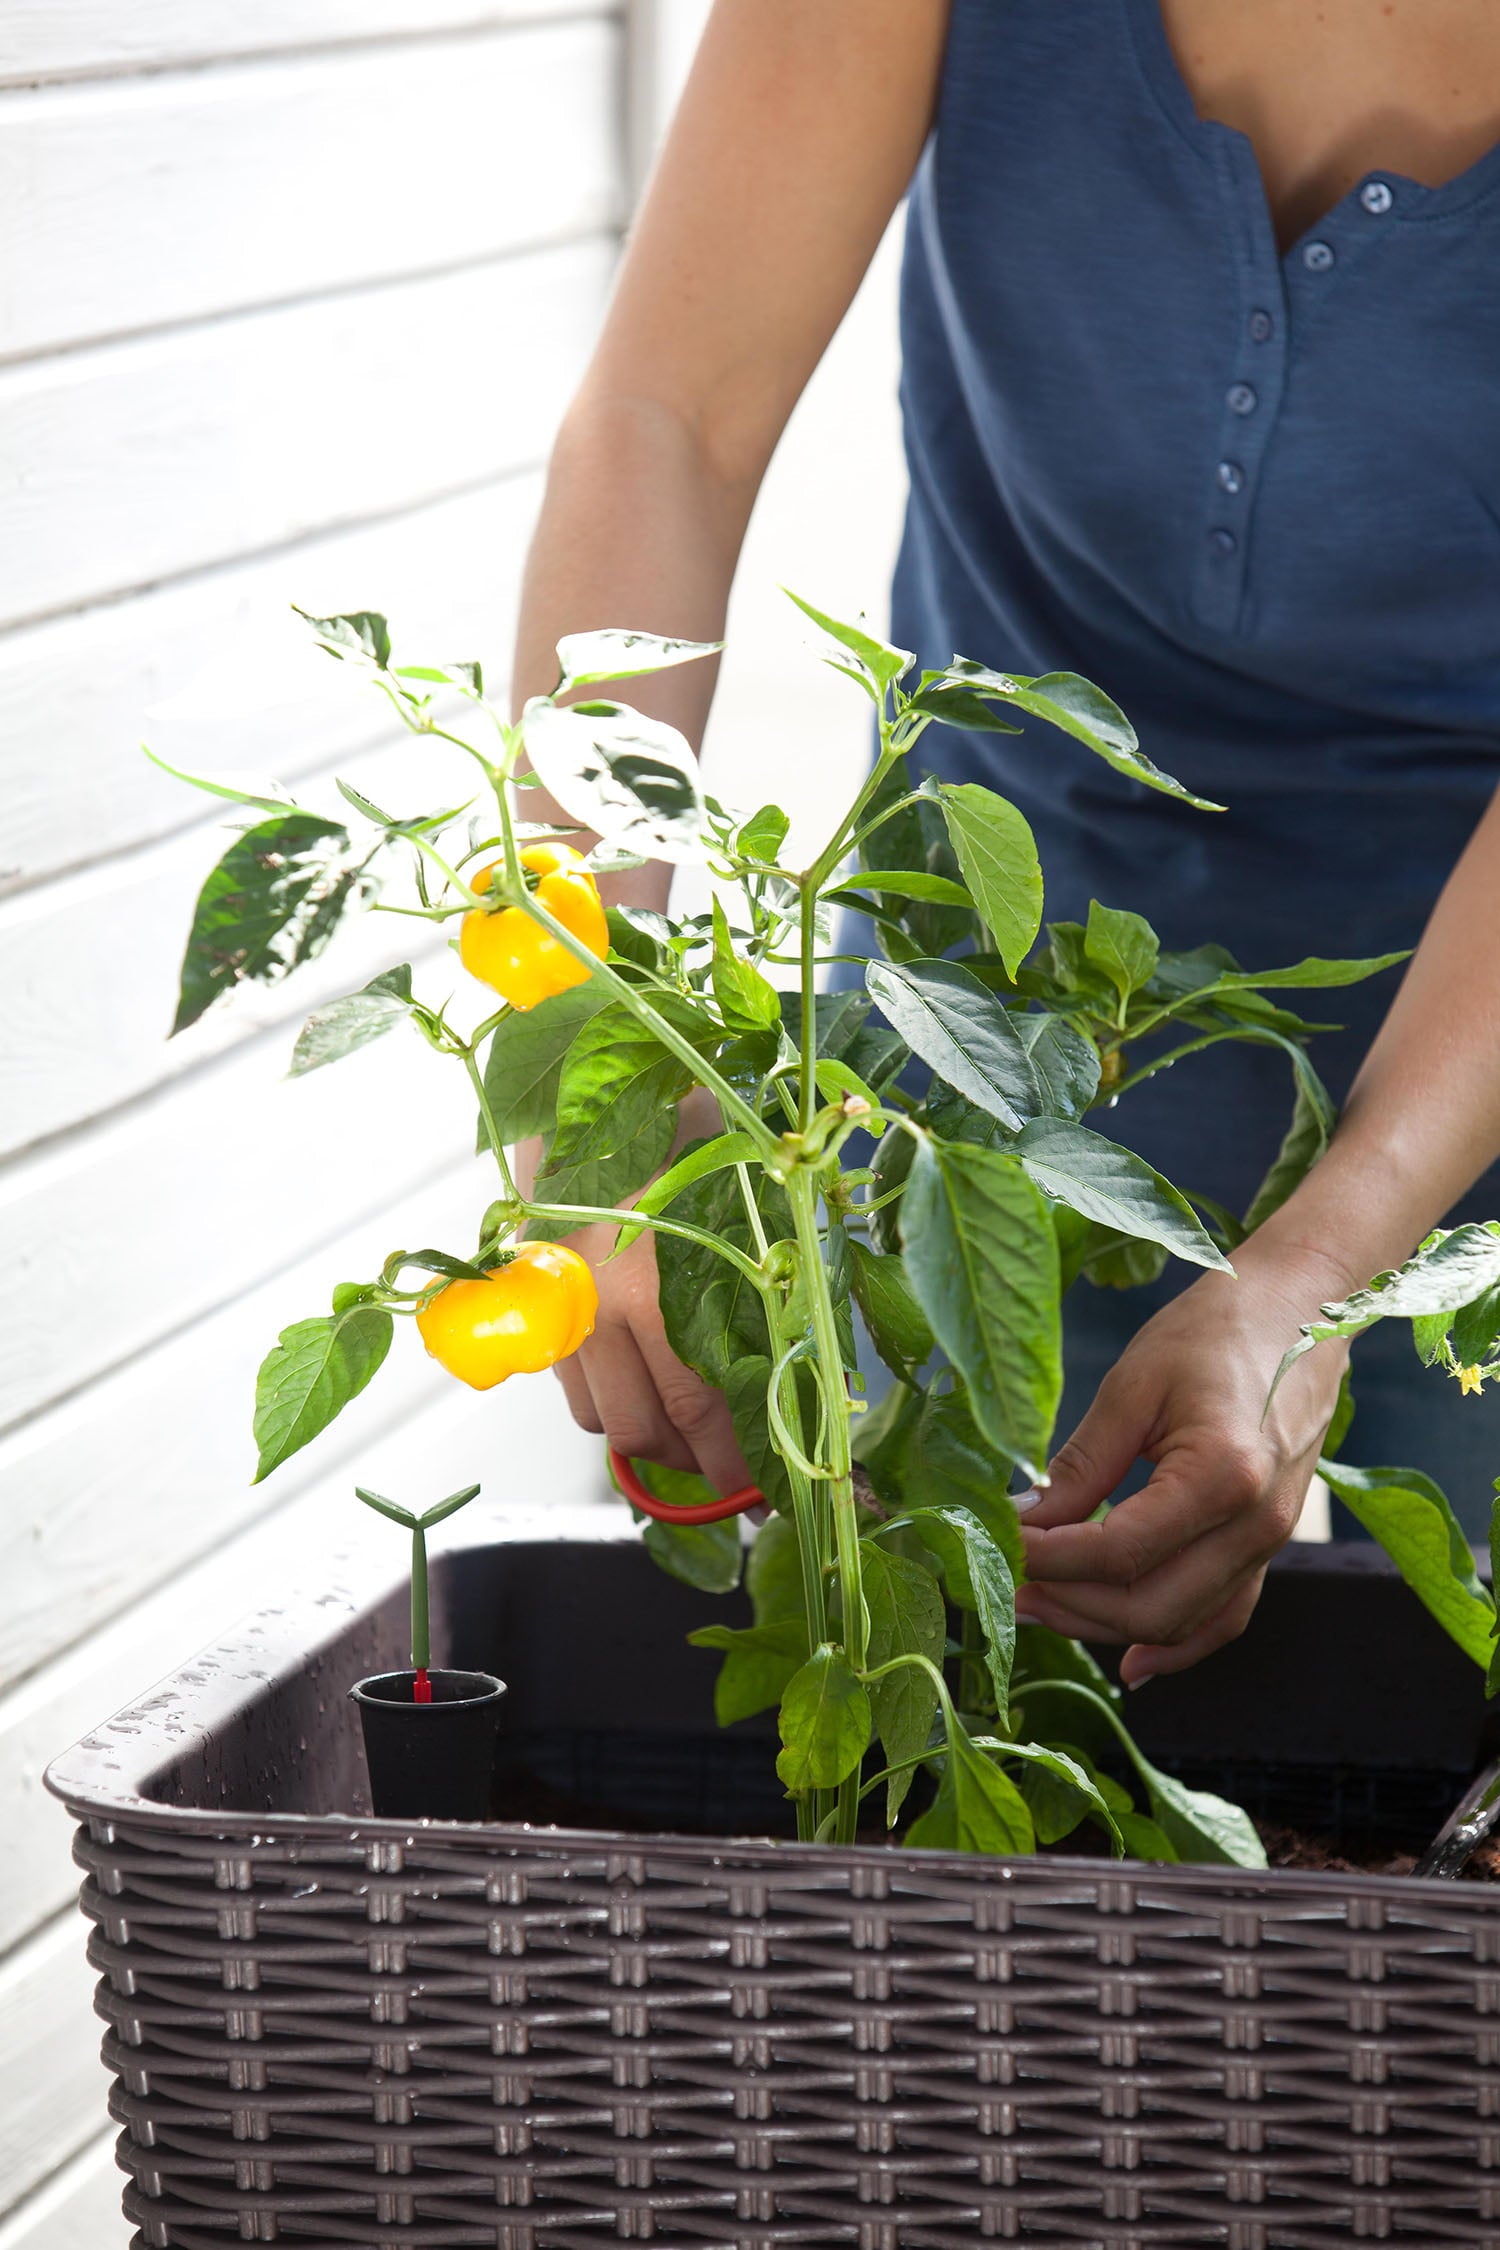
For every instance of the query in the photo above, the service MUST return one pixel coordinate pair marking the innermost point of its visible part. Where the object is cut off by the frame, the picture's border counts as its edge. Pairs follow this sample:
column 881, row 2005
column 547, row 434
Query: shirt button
column 1376, row 197
column 1231, row 476
column 1318, row 257
column 1222, row 541
column 1241, row 399
column 1262, row 327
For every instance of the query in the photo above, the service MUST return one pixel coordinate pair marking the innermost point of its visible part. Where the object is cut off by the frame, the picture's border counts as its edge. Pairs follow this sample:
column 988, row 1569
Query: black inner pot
column 1344, row 1711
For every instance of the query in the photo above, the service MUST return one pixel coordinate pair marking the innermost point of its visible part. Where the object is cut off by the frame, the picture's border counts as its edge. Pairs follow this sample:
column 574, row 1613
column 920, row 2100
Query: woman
column 1202, row 396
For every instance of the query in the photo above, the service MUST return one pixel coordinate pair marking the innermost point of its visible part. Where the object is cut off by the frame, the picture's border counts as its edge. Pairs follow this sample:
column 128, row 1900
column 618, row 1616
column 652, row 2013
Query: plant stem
column 481, row 1091
column 802, row 1190
column 808, row 1101
column 588, row 1214
column 421, row 1633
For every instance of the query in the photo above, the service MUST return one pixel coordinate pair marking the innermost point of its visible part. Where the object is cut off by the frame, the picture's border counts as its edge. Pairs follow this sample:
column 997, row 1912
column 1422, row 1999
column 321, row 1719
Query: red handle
column 712, row 1511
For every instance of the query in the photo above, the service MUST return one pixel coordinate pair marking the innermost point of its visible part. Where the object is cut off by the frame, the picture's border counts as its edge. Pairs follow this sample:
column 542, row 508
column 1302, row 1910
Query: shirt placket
column 1277, row 298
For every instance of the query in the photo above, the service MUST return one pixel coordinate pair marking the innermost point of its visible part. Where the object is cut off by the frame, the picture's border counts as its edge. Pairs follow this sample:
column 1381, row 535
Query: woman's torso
column 1250, row 486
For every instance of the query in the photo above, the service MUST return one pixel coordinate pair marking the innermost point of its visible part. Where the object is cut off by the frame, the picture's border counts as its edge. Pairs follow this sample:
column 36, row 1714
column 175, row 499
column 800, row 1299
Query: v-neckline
column 1411, row 199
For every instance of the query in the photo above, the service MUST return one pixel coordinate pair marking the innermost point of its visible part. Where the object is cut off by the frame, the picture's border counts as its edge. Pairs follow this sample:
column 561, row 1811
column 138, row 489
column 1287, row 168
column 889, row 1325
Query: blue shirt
column 1255, row 496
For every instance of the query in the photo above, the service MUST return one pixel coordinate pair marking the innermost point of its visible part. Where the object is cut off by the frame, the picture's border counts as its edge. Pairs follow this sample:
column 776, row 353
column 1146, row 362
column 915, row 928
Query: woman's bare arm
column 795, row 139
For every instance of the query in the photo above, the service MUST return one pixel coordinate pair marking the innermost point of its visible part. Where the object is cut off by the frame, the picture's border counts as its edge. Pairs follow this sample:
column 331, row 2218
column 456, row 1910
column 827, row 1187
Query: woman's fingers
column 626, row 1405
column 1199, row 1487
column 1162, row 1609
column 1142, row 1662
column 1096, row 1457
column 697, row 1412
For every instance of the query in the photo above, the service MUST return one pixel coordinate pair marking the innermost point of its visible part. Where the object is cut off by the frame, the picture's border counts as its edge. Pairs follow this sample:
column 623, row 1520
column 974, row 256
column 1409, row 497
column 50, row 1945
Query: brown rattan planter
column 330, row 2030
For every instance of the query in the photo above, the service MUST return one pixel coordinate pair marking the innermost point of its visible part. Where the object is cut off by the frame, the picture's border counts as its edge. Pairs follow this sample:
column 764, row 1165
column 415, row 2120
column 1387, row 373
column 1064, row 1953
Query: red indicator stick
column 421, row 1686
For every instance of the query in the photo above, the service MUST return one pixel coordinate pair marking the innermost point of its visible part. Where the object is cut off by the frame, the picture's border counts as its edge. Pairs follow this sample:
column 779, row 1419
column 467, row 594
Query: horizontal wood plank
column 109, row 1493
column 141, row 908
column 78, row 2208
column 536, row 1468
column 52, row 2085
column 131, row 1230
column 42, row 39
column 450, row 151
column 148, row 459
column 447, row 575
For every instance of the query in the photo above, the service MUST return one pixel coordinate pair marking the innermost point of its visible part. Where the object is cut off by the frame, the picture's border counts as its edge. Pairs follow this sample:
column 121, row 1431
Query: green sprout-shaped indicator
column 419, row 1526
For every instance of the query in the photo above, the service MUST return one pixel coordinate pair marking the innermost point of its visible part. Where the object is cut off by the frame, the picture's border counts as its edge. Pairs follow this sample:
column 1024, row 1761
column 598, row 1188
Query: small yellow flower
column 1470, row 1379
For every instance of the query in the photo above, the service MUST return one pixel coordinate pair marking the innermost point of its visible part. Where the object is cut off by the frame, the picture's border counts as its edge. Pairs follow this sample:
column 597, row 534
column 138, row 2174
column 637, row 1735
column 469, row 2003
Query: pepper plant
column 914, row 1148
column 1449, row 1290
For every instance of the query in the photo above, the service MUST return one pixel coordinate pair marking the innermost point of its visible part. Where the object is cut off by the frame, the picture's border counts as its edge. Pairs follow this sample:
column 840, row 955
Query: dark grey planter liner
column 330, row 2030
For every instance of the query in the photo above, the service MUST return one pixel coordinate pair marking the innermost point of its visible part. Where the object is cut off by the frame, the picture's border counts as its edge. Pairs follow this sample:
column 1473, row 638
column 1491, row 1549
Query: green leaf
column 936, row 890
column 617, row 1078
column 1080, row 709
column 697, row 1163
column 712, row 1313
column 309, row 1376
column 978, row 1579
column 1492, row 1678
column 1060, row 1792
column 1476, row 1327
column 997, row 853
column 947, row 1464
column 602, row 1182
column 1145, row 1840
column 215, row 786
column 845, row 1034
column 746, row 1001
column 824, row 1721
column 915, row 837
column 906, row 1618
column 879, row 664
column 1448, row 1271
column 763, row 834
column 744, row 1385
column 362, row 632
column 982, row 1259
column 961, row 1031
column 977, row 1808
column 1412, row 1520
column 587, row 659
column 958, row 707
column 272, row 903
column 1065, row 1060
column 706, row 1555
column 889, row 1167
column 773, row 1573
column 898, row 1326
column 1311, row 975
column 524, row 1062
column 1198, row 1825
column 1116, row 1187
column 1303, row 1143
column 345, row 1025
column 759, row 1661
column 1123, row 945
column 1042, row 1654
column 633, row 779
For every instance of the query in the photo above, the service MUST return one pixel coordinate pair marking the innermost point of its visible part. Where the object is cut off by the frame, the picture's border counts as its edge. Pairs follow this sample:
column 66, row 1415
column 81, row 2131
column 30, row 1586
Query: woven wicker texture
column 524, row 2040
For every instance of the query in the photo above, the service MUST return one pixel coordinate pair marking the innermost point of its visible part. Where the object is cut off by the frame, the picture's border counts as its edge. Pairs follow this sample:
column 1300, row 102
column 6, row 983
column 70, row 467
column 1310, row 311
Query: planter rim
column 491, row 1693
column 108, row 1771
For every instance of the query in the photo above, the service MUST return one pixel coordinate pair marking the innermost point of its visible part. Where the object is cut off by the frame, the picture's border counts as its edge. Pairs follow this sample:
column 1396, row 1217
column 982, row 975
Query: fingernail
column 1032, row 1498
column 1140, row 1680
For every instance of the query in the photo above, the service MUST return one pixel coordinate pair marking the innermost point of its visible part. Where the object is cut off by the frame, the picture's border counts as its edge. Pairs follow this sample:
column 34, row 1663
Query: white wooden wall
column 293, row 295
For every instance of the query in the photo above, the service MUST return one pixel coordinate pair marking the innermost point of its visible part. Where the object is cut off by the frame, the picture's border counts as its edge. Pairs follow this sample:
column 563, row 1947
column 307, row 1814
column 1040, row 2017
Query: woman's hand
column 1176, row 1569
column 626, row 1383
